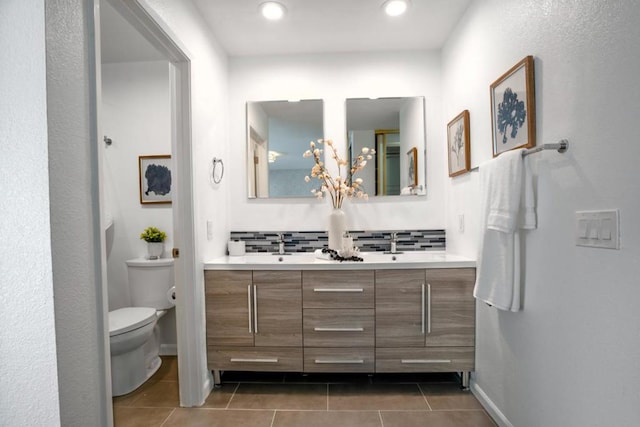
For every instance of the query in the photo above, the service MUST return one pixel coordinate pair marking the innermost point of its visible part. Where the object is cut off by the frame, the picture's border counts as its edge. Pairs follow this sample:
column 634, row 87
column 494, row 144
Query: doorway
column 194, row 383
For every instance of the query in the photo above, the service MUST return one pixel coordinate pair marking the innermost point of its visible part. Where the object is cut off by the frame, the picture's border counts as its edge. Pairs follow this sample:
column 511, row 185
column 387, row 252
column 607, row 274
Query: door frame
column 195, row 380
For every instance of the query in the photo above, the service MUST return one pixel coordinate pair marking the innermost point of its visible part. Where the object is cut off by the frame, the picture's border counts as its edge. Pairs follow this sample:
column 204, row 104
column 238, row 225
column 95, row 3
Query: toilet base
column 124, row 379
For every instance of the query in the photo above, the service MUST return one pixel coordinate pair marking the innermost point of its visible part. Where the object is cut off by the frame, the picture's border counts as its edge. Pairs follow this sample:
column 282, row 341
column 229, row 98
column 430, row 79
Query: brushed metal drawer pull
column 429, row 308
column 338, row 329
column 338, row 290
column 241, row 360
column 338, row 361
column 249, row 309
column 422, row 305
column 407, row 361
column 255, row 309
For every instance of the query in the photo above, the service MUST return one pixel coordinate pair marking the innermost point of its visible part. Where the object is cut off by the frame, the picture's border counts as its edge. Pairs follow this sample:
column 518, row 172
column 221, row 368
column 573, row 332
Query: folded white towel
column 507, row 204
column 321, row 255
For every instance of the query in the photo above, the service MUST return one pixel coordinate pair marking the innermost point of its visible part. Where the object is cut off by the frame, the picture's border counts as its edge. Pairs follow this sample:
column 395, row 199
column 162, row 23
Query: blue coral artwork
column 513, row 108
column 155, row 179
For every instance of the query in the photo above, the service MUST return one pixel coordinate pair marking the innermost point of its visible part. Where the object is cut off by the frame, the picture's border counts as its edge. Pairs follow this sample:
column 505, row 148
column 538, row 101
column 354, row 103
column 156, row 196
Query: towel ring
column 213, row 172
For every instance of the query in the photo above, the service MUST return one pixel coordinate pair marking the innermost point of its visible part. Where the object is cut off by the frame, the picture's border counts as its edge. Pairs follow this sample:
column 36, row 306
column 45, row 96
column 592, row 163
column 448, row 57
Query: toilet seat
column 127, row 319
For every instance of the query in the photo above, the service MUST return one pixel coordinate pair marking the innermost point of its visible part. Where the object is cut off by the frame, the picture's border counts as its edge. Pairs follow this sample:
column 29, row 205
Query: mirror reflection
column 278, row 132
column 396, row 128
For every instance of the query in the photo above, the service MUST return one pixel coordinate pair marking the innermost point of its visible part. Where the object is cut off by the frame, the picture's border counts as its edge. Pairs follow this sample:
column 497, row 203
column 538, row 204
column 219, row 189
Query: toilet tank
column 150, row 281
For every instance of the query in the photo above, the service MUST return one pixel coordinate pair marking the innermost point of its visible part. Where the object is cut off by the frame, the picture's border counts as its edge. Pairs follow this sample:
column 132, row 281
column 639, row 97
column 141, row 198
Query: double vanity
column 407, row 312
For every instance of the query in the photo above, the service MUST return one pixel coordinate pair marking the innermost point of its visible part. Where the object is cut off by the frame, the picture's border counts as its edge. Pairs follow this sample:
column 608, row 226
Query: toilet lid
column 129, row 318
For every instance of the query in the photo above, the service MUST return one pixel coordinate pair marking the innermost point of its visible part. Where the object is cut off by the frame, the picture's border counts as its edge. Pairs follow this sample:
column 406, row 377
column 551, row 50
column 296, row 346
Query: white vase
column 337, row 227
column 154, row 250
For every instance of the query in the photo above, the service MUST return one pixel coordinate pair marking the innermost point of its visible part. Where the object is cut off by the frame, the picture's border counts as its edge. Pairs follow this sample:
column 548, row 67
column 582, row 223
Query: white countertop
column 308, row 261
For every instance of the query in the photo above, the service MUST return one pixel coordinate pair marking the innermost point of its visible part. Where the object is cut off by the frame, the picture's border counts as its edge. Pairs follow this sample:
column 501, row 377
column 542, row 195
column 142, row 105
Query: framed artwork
column 513, row 108
column 458, row 144
column 412, row 167
column 154, row 179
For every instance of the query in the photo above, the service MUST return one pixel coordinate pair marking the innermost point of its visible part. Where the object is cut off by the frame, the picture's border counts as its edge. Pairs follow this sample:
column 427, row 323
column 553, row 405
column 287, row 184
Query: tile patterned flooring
column 279, row 400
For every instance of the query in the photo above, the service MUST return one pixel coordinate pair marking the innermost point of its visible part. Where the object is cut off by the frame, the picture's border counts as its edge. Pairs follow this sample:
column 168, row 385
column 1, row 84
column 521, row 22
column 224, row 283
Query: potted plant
column 155, row 241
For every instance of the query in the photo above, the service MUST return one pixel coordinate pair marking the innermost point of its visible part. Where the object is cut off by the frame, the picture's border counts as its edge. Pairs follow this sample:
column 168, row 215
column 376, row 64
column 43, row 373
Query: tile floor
column 276, row 400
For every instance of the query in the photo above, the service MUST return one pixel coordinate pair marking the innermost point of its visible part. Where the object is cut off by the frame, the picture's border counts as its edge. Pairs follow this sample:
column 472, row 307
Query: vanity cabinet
column 360, row 320
column 254, row 320
column 425, row 320
column 339, row 320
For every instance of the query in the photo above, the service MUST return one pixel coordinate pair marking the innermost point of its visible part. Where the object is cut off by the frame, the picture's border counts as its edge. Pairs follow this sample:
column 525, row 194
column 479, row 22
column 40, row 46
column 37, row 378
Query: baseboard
column 168, row 349
column 489, row 406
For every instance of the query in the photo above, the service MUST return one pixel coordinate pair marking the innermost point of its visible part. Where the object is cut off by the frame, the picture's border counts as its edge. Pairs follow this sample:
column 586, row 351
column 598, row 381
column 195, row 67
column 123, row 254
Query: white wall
column 333, row 78
column 136, row 115
column 81, row 322
column 209, row 100
column 27, row 338
column 570, row 357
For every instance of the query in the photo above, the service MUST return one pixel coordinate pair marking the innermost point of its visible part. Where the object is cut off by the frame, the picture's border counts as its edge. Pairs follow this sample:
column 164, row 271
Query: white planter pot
column 154, row 250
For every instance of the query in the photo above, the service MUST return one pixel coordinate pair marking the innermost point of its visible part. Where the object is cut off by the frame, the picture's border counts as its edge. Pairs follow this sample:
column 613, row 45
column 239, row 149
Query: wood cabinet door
column 278, row 308
column 227, row 300
column 400, row 316
column 451, row 309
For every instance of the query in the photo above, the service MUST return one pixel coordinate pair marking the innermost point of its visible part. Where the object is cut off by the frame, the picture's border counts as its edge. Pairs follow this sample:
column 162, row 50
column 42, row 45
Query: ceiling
column 317, row 26
column 310, row 26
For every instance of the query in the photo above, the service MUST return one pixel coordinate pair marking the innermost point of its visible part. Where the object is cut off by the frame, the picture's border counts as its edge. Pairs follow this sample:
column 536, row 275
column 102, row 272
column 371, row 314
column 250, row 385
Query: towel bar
column 561, row 146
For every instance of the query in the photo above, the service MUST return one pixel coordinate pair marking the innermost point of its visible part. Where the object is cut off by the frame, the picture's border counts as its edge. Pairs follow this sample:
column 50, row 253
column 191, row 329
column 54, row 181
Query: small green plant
column 153, row 234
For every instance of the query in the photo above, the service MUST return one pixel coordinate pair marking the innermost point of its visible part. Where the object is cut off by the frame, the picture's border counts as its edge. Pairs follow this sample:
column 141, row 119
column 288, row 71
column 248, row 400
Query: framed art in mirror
column 412, row 167
column 154, row 179
column 513, row 107
column 458, row 144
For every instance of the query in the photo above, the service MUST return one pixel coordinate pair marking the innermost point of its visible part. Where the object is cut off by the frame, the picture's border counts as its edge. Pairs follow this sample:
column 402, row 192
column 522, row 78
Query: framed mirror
column 278, row 132
column 396, row 128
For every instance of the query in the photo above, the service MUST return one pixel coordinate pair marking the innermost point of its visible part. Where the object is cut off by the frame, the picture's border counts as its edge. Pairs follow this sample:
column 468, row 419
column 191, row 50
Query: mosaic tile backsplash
column 367, row 241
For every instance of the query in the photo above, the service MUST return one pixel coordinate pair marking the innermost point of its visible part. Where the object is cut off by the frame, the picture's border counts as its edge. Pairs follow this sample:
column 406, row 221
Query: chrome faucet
column 280, row 244
column 394, row 242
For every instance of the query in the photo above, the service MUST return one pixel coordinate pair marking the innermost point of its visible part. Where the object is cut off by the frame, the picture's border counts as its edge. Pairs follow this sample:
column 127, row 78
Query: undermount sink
column 409, row 256
column 272, row 258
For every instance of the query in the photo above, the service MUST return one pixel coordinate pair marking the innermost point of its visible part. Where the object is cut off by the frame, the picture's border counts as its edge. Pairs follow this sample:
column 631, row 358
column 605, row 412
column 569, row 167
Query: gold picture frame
column 513, row 108
column 412, row 167
column 458, row 144
column 154, row 179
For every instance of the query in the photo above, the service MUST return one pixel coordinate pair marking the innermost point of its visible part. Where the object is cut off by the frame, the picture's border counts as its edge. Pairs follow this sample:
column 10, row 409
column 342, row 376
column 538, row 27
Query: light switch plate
column 598, row 229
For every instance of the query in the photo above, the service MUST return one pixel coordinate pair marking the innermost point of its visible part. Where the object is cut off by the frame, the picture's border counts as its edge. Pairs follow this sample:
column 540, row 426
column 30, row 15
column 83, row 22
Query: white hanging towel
column 507, row 204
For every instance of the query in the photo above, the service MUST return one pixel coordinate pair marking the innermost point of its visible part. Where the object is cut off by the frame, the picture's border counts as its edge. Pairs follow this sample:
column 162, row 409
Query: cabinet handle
column 241, row 360
column 338, row 361
column 409, row 361
column 339, row 329
column 422, row 305
column 338, row 290
column 249, row 308
column 428, row 308
column 255, row 309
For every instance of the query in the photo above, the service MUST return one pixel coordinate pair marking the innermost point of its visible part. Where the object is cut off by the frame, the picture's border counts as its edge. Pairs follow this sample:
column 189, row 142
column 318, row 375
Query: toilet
column 133, row 331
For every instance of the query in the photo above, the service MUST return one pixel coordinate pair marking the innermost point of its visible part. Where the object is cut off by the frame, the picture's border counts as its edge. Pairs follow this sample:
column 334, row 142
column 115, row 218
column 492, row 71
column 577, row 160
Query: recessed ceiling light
column 272, row 10
column 395, row 7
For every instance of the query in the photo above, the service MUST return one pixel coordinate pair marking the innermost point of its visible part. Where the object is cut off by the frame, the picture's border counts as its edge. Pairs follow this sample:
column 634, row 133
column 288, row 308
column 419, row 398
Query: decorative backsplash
column 367, row 241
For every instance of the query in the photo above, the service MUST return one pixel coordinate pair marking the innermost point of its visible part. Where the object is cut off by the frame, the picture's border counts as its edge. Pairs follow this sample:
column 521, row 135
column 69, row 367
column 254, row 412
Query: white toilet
column 133, row 330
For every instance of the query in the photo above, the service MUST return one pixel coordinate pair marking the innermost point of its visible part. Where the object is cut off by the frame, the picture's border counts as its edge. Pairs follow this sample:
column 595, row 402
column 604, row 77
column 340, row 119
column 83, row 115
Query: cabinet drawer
column 339, row 328
column 339, row 360
column 440, row 359
column 338, row 289
column 255, row 359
